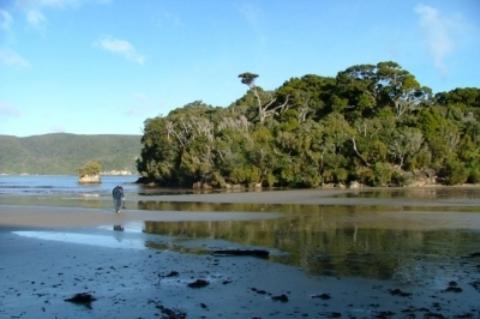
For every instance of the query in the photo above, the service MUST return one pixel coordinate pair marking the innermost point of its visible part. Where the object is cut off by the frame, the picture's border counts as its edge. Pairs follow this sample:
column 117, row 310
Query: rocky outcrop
column 89, row 179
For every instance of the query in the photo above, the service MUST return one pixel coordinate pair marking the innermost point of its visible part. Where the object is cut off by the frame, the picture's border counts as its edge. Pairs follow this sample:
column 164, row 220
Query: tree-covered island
column 372, row 124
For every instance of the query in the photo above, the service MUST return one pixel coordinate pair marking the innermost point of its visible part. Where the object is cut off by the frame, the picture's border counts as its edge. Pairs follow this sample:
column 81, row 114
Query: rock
column 467, row 315
column 173, row 273
column 323, row 296
column 334, row 314
column 89, row 179
column 453, row 287
column 433, row 315
column 258, row 291
column 399, row 292
column 354, row 185
column 260, row 253
column 281, row 298
column 384, row 314
column 173, row 313
column 83, row 298
column 476, row 285
column 202, row 186
column 199, row 283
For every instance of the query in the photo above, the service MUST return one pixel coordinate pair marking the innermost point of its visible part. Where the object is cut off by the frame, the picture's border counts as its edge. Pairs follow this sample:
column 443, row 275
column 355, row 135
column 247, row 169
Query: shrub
column 382, row 174
column 91, row 168
column 453, row 172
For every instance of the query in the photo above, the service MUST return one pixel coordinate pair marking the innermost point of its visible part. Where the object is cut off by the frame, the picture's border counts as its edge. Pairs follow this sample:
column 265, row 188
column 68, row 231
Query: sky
column 105, row 66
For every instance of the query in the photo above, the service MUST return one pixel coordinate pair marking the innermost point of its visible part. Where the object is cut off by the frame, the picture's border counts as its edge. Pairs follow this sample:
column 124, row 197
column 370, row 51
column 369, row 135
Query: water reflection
column 118, row 228
column 415, row 193
column 117, row 241
column 337, row 241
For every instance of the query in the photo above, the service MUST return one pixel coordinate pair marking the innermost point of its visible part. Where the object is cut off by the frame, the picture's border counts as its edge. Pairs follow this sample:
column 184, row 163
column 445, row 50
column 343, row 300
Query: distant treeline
column 66, row 153
column 371, row 124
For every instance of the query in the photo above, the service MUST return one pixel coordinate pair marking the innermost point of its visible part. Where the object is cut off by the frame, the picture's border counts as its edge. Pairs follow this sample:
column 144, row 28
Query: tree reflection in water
column 327, row 240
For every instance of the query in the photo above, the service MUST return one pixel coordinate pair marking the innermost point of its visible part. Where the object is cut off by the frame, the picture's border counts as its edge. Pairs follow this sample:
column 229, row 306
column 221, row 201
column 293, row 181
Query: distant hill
column 65, row 153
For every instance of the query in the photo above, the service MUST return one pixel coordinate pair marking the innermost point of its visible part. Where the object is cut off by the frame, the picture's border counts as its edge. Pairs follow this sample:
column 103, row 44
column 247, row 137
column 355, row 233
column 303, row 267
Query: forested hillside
column 65, row 153
column 371, row 124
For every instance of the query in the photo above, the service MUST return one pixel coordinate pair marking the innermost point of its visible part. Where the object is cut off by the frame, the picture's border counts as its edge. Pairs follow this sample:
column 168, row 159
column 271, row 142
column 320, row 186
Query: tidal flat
column 374, row 253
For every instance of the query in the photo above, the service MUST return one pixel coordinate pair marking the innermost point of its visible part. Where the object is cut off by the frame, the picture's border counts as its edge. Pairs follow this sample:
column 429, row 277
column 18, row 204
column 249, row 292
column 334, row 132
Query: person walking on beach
column 118, row 198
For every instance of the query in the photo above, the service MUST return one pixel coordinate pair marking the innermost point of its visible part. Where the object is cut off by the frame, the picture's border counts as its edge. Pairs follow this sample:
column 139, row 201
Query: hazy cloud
column 121, row 47
column 438, row 34
column 6, row 20
column 33, row 8
column 36, row 19
column 8, row 111
column 11, row 58
column 254, row 16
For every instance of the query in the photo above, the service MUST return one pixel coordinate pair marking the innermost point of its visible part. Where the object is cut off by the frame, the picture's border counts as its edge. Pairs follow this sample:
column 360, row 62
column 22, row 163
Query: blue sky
column 104, row 66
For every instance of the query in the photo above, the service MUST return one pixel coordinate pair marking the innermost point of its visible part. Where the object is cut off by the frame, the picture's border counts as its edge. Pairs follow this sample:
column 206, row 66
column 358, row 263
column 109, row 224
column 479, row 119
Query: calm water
column 56, row 185
column 374, row 241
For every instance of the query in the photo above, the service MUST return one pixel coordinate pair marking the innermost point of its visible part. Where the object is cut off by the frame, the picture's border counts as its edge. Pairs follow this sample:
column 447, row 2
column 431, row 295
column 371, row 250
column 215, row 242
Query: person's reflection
column 118, row 228
column 118, row 232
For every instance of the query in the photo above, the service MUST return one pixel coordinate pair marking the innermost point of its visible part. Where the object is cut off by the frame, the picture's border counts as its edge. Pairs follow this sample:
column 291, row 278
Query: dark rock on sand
column 433, row 315
column 199, row 283
column 399, row 292
column 323, row 296
column 173, row 273
column 474, row 255
column 384, row 314
column 281, row 298
column 467, row 315
column 453, row 287
column 333, row 314
column 83, row 298
column 258, row 291
column 260, row 253
column 171, row 313
column 476, row 285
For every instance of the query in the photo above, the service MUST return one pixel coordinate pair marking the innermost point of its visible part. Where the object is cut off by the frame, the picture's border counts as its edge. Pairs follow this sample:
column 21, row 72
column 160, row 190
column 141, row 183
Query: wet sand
column 48, row 254
column 48, row 216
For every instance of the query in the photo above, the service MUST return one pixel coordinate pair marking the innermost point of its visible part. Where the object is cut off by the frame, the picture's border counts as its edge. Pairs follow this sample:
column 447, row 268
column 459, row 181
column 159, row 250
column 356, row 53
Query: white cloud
column 121, row 47
column 11, row 58
column 36, row 19
column 8, row 111
column 438, row 34
column 6, row 20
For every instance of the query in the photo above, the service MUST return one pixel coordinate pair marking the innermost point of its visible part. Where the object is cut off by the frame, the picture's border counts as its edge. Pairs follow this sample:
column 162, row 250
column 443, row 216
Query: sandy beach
column 49, row 254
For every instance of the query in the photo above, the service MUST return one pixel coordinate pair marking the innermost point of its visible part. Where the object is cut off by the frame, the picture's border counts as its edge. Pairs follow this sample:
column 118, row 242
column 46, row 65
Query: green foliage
column 65, row 153
column 453, row 172
column 91, row 168
column 375, row 124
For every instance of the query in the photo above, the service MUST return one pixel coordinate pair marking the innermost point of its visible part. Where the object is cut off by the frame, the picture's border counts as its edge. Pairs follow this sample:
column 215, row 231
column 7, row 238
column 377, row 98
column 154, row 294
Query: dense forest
column 65, row 153
column 371, row 124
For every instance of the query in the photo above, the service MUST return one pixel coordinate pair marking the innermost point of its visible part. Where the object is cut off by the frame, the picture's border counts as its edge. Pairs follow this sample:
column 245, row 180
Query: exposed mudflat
column 324, row 261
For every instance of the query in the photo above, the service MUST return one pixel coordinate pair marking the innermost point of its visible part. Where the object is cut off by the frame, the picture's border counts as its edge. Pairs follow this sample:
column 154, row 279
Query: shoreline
column 51, row 253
